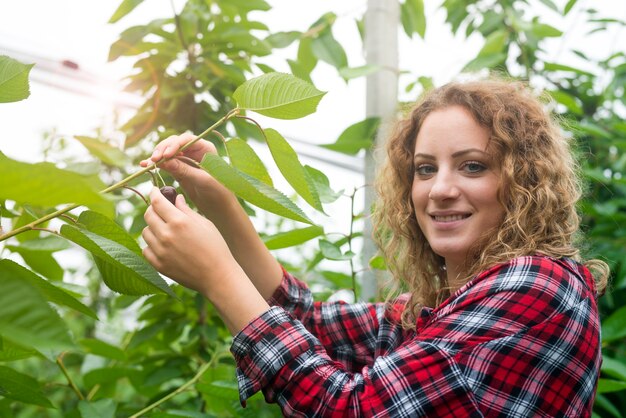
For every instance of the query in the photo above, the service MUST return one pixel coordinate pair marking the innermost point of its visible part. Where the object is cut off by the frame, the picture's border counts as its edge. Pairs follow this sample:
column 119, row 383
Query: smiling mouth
column 450, row 218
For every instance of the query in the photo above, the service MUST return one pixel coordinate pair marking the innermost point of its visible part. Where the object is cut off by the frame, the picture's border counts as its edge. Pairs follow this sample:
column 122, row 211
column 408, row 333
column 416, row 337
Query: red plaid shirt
column 521, row 339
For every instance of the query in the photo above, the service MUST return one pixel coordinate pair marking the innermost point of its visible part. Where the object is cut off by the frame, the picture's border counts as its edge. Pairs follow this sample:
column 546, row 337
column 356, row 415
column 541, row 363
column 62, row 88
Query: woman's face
column 455, row 186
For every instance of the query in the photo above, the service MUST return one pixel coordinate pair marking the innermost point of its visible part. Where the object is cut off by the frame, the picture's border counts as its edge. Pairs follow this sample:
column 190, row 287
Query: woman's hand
column 189, row 249
column 185, row 246
column 196, row 182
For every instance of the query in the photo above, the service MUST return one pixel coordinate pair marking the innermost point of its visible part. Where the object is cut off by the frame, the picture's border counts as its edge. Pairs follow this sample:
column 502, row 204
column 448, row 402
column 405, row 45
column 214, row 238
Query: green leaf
column 25, row 316
column 293, row 237
column 106, row 227
column 283, row 39
column 45, row 185
column 12, row 352
column 52, row 293
column 107, row 375
column 103, row 408
column 326, row 48
column 322, row 185
column 243, row 157
column 123, row 9
column 103, row 151
column 122, row 269
column 22, row 388
column 252, row 190
column 349, row 73
column 551, row 5
column 356, row 137
column 378, row 262
column 614, row 368
column 413, row 17
column 568, row 6
column 568, row 101
column 102, row 349
column 332, row 251
column 289, row 165
column 13, row 80
column 278, row 95
column 604, row 403
column 487, row 61
column 494, row 44
column 608, row 385
column 542, row 30
column 41, row 262
column 614, row 327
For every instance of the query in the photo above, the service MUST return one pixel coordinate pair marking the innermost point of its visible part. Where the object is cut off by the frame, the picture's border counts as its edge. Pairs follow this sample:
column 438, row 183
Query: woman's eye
column 424, row 170
column 473, row 167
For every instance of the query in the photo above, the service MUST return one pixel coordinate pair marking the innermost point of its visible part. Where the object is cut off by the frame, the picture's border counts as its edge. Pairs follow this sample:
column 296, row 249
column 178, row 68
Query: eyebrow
column 454, row 155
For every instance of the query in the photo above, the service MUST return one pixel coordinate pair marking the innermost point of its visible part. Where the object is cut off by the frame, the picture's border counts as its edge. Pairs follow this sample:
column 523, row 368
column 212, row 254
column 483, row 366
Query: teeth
column 449, row 218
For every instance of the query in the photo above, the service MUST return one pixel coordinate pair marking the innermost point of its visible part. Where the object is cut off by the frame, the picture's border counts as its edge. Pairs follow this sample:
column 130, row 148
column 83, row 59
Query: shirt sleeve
column 277, row 354
column 520, row 340
column 351, row 333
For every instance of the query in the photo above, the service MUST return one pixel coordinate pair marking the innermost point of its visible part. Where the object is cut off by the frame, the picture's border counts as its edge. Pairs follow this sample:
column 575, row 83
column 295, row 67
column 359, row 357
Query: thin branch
column 137, row 192
column 59, row 361
column 120, row 183
column 183, row 387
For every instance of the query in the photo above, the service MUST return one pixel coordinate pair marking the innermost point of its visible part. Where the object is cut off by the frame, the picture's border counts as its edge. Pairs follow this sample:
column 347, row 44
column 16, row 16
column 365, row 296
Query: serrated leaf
column 278, row 95
column 20, row 387
column 322, row 185
column 103, row 151
column 292, row 170
column 123, row 9
column 13, row 80
column 125, row 271
column 106, row 227
column 356, row 137
column 252, row 190
column 293, row 237
column 102, row 349
column 103, row 408
column 43, row 184
column 243, row 157
column 52, row 293
column 12, row 352
column 25, row 316
column 41, row 262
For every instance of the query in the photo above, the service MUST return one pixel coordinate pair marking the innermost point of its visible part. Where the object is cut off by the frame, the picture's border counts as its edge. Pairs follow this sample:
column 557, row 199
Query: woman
column 476, row 219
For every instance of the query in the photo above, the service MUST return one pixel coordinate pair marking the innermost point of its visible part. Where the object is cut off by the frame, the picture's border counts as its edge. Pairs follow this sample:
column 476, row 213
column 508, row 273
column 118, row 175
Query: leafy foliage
column 118, row 340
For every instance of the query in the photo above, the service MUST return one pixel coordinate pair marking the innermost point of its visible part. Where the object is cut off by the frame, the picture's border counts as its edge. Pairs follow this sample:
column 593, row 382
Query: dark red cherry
column 170, row 193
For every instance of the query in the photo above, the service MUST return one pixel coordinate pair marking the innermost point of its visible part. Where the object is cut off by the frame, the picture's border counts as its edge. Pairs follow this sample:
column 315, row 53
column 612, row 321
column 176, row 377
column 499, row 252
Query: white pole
column 381, row 50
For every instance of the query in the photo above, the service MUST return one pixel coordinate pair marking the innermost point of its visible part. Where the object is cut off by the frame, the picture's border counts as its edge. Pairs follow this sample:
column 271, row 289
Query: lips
column 450, row 218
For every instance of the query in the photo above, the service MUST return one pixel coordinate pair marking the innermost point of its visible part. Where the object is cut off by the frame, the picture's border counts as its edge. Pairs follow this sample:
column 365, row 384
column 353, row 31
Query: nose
column 443, row 187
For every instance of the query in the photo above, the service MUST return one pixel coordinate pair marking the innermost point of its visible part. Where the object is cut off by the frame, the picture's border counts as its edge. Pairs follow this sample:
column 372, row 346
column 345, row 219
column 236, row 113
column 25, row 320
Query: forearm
column 243, row 241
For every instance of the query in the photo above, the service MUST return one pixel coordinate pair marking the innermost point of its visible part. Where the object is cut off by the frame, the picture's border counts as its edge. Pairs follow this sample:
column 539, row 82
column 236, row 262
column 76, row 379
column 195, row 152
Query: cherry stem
column 138, row 193
column 232, row 113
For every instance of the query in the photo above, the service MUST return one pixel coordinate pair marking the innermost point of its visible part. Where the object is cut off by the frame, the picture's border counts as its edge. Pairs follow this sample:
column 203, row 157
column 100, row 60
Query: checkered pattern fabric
column 521, row 339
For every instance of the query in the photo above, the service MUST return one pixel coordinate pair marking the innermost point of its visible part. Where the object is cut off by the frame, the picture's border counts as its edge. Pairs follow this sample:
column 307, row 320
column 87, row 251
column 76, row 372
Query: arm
column 220, row 206
column 520, row 340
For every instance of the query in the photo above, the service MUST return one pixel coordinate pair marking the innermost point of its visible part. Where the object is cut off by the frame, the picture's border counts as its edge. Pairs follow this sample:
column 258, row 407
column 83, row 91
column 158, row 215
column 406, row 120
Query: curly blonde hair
column 539, row 189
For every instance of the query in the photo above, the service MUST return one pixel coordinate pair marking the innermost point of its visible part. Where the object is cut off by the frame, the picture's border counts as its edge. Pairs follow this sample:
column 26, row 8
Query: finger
column 162, row 207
